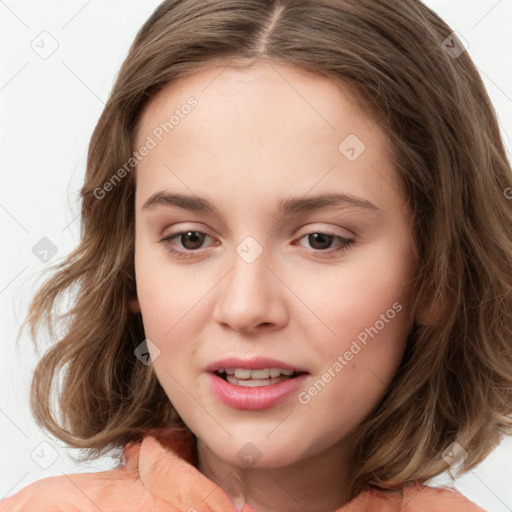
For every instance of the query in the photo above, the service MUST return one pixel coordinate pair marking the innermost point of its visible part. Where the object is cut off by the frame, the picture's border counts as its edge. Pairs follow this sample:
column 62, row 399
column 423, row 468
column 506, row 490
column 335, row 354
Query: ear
column 134, row 306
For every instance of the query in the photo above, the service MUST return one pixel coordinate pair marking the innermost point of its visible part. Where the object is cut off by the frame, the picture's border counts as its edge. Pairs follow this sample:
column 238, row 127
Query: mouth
column 251, row 378
column 255, row 384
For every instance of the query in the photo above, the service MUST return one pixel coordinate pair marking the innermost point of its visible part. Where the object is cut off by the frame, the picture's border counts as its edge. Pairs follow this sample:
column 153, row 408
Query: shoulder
column 78, row 492
column 421, row 498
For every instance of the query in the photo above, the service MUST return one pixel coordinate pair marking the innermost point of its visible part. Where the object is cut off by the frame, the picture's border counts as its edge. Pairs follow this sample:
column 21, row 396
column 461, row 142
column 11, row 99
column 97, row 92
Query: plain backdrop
column 59, row 61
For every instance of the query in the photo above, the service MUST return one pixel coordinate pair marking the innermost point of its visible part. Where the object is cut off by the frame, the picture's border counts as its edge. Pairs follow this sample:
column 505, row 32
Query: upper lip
column 255, row 363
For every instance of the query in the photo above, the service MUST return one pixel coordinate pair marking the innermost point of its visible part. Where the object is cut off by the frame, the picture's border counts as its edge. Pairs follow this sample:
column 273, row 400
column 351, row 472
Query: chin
column 260, row 451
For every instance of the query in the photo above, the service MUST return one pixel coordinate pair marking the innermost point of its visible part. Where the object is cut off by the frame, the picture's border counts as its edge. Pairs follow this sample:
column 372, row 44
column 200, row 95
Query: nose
column 251, row 297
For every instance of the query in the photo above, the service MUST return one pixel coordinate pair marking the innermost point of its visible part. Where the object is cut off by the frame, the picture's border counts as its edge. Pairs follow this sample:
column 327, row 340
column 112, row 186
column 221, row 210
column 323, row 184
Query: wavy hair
column 455, row 381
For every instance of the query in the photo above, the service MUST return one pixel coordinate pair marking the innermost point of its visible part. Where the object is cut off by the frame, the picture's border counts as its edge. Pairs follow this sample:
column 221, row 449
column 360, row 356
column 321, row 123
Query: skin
column 259, row 134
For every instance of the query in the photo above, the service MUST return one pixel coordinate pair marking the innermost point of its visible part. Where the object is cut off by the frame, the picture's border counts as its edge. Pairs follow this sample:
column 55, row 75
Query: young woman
column 293, row 287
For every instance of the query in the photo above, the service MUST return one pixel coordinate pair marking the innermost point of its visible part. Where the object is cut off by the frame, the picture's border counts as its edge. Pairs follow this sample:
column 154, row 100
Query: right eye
column 190, row 241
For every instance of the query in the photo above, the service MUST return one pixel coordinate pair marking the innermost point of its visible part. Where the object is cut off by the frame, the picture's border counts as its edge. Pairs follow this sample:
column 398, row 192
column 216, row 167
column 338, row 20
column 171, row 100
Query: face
column 272, row 236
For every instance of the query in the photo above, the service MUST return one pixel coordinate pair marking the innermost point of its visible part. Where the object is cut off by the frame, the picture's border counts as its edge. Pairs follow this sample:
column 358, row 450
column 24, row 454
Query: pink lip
column 256, row 398
column 261, row 397
column 255, row 363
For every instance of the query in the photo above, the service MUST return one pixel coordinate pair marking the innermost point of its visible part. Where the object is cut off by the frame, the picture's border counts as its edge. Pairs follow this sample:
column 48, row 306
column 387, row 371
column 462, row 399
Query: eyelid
column 177, row 234
column 331, row 230
column 184, row 229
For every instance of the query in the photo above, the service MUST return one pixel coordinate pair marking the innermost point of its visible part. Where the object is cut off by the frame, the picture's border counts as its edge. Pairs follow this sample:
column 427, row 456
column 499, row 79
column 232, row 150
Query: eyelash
column 346, row 243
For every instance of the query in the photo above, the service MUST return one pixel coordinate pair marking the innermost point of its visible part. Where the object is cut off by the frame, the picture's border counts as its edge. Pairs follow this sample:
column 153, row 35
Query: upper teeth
column 265, row 373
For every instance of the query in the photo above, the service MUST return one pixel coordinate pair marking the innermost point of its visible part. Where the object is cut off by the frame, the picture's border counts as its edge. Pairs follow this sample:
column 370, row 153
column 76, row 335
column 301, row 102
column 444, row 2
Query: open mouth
column 255, row 384
column 254, row 378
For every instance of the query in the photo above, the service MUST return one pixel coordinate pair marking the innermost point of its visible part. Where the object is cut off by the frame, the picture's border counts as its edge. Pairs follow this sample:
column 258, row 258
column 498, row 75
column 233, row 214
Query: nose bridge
column 251, row 294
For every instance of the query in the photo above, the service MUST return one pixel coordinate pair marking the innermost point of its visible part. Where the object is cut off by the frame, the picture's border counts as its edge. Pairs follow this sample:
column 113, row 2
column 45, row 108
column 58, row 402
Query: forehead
column 254, row 90
column 261, row 127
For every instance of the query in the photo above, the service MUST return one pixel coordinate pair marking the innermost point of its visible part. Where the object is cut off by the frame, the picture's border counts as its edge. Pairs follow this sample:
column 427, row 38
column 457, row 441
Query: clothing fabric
column 159, row 474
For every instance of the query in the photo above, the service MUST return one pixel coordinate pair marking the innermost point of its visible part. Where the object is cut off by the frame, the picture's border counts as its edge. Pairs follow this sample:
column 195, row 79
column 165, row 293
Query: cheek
column 356, row 368
column 167, row 293
column 172, row 303
column 355, row 295
column 371, row 323
column 167, row 313
column 365, row 310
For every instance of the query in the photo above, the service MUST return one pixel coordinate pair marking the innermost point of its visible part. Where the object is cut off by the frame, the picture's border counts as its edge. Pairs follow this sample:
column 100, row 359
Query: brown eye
column 184, row 241
column 325, row 244
column 192, row 239
column 319, row 241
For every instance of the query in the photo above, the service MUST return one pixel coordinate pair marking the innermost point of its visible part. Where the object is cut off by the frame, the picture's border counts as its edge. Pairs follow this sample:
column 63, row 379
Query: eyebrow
column 285, row 206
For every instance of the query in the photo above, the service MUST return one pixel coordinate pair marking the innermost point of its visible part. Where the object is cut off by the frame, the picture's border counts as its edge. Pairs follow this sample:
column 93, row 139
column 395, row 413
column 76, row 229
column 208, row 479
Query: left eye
column 323, row 241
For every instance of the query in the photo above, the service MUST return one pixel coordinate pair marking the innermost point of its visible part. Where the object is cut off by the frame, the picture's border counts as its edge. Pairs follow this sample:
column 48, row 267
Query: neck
column 318, row 483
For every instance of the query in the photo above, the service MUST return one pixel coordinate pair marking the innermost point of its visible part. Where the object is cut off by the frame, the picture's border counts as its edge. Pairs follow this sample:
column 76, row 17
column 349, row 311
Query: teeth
column 264, row 373
column 255, row 378
column 252, row 383
column 259, row 374
column 242, row 374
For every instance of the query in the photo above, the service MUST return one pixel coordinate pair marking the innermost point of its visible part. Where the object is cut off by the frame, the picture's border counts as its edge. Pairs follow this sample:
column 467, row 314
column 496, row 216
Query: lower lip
column 261, row 397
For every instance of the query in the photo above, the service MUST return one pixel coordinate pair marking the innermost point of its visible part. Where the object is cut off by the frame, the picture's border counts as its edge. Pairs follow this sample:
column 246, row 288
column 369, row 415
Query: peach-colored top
column 158, row 474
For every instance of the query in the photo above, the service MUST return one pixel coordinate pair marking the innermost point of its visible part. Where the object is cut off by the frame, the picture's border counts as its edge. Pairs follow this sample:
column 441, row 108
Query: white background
column 49, row 108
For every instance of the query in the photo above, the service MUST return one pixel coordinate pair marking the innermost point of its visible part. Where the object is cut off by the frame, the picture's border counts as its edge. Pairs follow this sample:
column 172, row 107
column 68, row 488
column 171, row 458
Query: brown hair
column 455, row 380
